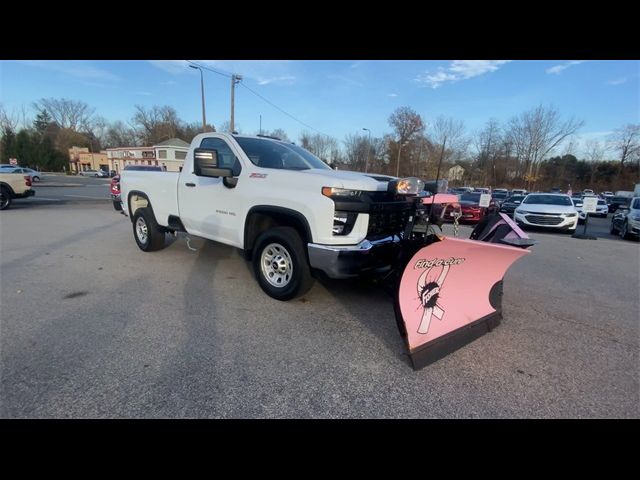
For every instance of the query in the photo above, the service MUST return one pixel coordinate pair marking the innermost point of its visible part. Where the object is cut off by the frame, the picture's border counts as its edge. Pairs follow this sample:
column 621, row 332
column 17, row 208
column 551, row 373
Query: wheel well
column 135, row 201
column 261, row 220
column 8, row 187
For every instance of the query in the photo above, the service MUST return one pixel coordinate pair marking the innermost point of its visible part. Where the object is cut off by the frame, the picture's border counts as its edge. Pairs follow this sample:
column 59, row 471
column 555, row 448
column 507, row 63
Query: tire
column 148, row 234
column 279, row 257
column 117, row 206
column 5, row 198
column 613, row 230
column 624, row 231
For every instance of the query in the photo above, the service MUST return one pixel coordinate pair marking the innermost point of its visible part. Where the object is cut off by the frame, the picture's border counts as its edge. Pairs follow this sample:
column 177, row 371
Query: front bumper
column 557, row 222
column 346, row 261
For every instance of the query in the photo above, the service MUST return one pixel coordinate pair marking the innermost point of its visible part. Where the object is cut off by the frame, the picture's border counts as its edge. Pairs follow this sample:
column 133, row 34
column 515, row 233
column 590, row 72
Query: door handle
column 190, row 184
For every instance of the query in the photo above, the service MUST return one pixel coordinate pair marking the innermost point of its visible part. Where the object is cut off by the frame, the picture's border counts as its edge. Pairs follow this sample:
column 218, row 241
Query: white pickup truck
column 285, row 208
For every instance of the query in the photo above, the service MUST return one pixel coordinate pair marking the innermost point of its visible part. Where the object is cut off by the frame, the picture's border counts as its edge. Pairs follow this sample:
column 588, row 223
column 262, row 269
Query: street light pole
column 234, row 79
column 398, row 165
column 366, row 160
column 204, row 118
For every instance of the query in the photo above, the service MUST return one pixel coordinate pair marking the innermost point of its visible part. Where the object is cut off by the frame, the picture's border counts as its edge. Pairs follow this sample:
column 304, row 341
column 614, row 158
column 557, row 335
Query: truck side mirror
column 205, row 164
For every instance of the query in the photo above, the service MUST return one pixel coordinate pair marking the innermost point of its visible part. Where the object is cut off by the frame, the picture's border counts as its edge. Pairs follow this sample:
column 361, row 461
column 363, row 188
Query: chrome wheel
column 141, row 230
column 624, row 230
column 276, row 265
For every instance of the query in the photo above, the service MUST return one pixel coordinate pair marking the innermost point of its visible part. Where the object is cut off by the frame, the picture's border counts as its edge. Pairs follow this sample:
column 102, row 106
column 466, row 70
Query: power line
column 230, row 75
column 287, row 114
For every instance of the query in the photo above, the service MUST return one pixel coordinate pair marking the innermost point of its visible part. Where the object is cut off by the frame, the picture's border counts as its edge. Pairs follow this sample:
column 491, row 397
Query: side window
column 226, row 158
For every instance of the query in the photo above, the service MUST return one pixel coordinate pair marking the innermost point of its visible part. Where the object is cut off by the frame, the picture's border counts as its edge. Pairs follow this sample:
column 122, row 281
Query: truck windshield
column 274, row 154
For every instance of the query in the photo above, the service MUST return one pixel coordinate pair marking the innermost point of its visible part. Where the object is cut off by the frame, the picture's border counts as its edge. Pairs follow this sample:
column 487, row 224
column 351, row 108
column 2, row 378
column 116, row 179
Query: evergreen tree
column 8, row 145
column 42, row 121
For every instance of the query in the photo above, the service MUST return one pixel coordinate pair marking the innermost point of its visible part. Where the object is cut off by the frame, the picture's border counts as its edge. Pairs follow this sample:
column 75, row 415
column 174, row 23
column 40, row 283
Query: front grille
column 387, row 218
column 543, row 220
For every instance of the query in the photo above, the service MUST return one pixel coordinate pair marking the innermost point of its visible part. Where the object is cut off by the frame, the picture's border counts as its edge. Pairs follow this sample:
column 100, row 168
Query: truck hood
column 351, row 180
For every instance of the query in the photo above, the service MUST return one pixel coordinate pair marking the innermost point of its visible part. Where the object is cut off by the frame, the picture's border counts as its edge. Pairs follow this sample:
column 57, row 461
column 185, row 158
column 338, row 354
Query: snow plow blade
column 449, row 294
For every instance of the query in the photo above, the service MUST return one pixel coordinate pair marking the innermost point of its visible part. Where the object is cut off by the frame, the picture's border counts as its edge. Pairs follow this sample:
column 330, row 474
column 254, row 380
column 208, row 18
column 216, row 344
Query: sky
column 339, row 97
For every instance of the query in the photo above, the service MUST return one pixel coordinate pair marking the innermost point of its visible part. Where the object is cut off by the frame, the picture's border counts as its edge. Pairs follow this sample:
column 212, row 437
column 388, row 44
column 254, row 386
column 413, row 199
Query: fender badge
column 258, row 175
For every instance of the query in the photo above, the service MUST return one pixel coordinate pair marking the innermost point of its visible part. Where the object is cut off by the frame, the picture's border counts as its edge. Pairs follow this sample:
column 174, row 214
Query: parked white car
column 550, row 210
column 92, row 173
column 602, row 209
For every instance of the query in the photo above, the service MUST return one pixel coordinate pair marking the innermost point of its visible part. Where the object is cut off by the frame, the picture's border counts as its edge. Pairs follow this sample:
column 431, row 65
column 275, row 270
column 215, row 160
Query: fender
column 7, row 186
column 280, row 211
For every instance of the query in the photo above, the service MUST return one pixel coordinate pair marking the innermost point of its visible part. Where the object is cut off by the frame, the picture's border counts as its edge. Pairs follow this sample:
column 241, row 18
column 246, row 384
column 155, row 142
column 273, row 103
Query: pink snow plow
column 448, row 291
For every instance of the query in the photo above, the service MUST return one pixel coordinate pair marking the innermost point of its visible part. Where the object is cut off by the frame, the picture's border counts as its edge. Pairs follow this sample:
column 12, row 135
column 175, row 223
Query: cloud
column 170, row 82
column 171, row 66
column 459, row 70
column 346, row 79
column 74, row 68
column 392, row 95
column 146, row 94
column 282, row 80
column 557, row 69
column 617, row 81
column 355, row 65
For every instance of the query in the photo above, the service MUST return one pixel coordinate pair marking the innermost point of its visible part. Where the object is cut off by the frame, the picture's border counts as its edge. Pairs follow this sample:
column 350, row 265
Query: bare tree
column 357, row 149
column 8, row 121
column 156, row 124
column 322, row 146
column 625, row 141
column 488, row 145
column 448, row 137
column 535, row 134
column 74, row 115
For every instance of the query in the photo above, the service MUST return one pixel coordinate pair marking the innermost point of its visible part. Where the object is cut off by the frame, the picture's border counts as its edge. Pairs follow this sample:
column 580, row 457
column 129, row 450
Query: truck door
column 207, row 207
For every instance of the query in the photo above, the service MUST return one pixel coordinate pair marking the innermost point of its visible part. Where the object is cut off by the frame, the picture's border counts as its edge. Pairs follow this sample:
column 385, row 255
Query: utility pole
column 366, row 160
column 234, row 79
column 260, row 124
column 204, row 119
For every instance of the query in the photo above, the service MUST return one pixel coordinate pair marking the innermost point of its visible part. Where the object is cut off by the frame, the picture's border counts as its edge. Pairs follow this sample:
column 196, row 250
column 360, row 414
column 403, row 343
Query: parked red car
column 472, row 212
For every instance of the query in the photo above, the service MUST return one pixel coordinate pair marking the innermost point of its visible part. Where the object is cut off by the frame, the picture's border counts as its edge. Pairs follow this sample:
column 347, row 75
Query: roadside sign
column 589, row 204
column 485, row 199
column 13, row 161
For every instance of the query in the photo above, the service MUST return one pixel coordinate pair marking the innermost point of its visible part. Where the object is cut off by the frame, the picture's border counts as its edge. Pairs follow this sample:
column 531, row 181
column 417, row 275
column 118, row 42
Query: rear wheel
column 148, row 234
column 613, row 230
column 280, row 263
column 5, row 198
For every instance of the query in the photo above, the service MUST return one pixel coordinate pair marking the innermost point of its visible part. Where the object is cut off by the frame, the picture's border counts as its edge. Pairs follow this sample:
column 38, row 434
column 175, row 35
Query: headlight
column 341, row 193
column 521, row 212
column 409, row 186
column 635, row 216
column 569, row 215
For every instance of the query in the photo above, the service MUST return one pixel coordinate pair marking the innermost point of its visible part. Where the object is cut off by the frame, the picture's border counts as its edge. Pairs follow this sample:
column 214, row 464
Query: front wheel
column 148, row 234
column 280, row 263
column 624, row 231
column 613, row 230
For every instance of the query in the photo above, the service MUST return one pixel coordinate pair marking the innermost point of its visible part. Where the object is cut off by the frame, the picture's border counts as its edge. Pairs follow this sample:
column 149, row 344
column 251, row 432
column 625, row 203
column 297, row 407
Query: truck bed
column 160, row 187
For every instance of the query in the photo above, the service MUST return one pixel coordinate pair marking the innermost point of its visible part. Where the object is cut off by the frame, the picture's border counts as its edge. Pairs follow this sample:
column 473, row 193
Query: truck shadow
column 371, row 303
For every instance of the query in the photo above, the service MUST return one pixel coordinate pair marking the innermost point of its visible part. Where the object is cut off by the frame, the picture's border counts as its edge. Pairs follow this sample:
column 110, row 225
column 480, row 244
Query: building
column 456, row 173
column 80, row 159
column 169, row 154
column 122, row 156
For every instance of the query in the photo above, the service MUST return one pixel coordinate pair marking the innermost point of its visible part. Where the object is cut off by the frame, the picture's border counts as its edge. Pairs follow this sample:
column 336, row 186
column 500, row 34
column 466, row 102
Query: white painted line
column 84, row 196
column 49, row 199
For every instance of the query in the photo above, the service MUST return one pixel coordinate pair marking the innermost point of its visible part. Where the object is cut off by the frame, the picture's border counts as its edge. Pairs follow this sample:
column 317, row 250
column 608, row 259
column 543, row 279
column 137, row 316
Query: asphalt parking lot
column 93, row 327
